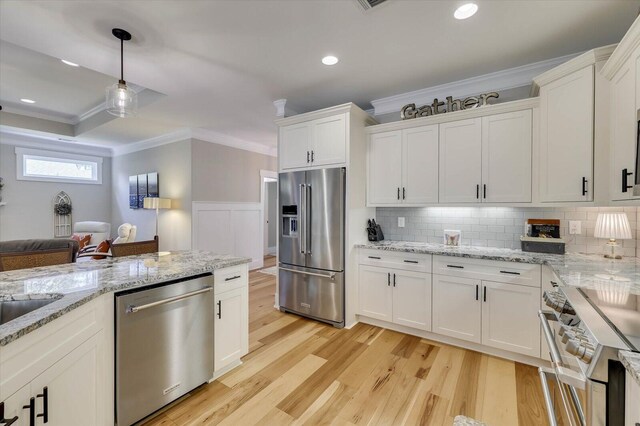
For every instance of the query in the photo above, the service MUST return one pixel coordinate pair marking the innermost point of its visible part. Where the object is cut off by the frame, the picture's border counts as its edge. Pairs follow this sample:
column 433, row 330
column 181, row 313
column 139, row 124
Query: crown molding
column 40, row 113
column 167, row 138
column 349, row 107
column 495, row 81
column 41, row 140
column 221, row 139
column 626, row 47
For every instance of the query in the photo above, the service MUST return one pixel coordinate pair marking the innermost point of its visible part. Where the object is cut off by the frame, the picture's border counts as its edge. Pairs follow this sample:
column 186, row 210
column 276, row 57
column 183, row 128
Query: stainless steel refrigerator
column 311, row 244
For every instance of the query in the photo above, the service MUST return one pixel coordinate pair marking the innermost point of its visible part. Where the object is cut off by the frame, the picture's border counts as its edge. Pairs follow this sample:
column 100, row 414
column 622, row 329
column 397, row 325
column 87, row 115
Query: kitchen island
column 61, row 354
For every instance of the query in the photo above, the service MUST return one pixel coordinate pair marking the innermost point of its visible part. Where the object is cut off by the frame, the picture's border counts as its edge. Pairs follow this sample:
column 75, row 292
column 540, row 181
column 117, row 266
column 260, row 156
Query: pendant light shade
column 122, row 100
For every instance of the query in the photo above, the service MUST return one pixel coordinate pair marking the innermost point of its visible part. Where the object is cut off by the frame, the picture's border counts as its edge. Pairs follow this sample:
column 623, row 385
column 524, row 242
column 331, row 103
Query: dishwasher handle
column 132, row 309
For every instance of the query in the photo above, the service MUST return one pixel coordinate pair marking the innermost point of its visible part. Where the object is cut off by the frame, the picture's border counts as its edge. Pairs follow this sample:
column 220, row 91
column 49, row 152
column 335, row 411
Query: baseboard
column 512, row 356
column 225, row 370
column 271, row 251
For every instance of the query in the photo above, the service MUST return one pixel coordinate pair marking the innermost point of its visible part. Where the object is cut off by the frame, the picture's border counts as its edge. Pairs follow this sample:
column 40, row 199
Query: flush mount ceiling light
column 71, row 64
column 27, row 101
column 122, row 101
column 465, row 11
column 330, row 60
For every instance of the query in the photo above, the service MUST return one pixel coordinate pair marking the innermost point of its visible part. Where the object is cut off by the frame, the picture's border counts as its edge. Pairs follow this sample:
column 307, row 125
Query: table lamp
column 156, row 204
column 614, row 226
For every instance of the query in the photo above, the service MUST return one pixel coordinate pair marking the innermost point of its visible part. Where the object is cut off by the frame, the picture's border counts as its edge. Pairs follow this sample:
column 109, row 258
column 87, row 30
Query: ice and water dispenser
column 290, row 221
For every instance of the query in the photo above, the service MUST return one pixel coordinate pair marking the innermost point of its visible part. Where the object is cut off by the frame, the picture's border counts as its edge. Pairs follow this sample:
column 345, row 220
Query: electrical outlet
column 401, row 222
column 575, row 227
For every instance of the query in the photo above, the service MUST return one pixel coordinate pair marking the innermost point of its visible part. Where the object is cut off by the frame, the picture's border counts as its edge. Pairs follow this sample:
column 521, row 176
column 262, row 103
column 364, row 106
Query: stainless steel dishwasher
column 163, row 345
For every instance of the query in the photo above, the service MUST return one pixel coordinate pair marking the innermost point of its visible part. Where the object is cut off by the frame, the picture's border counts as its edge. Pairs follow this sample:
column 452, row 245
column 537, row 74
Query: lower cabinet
column 632, row 396
column 397, row 296
column 456, row 310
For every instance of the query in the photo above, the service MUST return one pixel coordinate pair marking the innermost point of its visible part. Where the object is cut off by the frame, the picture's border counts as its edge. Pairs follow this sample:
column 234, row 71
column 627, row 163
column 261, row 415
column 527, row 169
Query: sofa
column 20, row 254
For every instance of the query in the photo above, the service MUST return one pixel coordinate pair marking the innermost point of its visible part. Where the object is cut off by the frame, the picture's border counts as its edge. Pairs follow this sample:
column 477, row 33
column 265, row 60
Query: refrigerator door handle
column 307, row 220
column 302, row 239
column 330, row 275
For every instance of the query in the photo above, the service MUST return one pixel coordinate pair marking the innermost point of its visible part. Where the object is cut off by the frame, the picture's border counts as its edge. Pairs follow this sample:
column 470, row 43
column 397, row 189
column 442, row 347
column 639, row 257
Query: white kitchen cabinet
column 420, row 165
column 456, row 307
column 506, row 157
column 412, row 299
column 385, row 168
column 566, row 137
column 314, row 143
column 231, row 324
column 509, row 317
column 375, row 293
column 460, row 166
column 13, row 406
column 632, row 396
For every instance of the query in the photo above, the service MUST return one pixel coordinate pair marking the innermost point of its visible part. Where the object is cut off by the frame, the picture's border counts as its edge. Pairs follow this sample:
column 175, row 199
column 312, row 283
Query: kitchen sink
column 12, row 309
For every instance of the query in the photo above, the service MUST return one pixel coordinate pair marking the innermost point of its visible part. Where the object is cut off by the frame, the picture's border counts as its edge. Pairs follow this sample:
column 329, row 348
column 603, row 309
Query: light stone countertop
column 631, row 360
column 74, row 284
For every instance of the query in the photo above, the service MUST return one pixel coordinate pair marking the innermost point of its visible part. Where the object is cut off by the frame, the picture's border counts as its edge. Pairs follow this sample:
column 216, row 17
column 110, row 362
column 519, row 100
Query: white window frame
column 23, row 154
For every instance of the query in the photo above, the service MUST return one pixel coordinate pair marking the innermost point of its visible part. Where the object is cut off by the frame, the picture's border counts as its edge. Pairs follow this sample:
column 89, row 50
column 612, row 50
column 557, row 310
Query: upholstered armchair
column 90, row 235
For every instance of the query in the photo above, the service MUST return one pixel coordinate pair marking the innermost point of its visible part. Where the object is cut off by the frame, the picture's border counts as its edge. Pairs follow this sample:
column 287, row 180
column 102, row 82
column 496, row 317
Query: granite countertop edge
column 65, row 303
column 631, row 361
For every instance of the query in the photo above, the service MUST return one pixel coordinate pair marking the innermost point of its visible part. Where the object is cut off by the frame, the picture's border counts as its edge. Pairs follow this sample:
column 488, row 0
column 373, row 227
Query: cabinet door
column 412, row 299
column 384, row 180
column 294, row 145
column 566, row 138
column 632, row 396
column 231, row 327
column 74, row 388
column 13, row 406
column 506, row 158
column 456, row 307
column 460, row 161
column 329, row 140
column 623, row 131
column 375, row 293
column 510, row 318
column 420, row 165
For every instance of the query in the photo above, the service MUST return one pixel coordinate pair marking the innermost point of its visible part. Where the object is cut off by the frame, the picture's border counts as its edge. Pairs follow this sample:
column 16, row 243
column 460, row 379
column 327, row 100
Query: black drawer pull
column 394, row 280
column 388, row 279
column 219, row 309
column 232, row 278
column 411, row 261
column 485, row 294
column 45, row 404
column 477, row 291
column 373, row 257
column 455, row 266
column 32, row 411
column 3, row 420
column 553, row 284
column 625, row 179
column 584, row 186
column 510, row 272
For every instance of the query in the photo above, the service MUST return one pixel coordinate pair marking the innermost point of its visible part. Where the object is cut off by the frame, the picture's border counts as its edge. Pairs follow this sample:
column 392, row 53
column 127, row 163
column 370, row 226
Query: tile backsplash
column 500, row 226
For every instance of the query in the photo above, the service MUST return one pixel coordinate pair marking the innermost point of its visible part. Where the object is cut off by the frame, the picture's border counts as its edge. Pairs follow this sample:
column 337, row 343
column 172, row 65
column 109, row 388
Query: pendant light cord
column 122, row 59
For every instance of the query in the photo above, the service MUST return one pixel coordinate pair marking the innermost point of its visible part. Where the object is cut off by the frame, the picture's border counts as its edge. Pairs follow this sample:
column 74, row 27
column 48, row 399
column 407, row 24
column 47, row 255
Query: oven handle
column 331, row 275
column 132, row 309
column 545, row 374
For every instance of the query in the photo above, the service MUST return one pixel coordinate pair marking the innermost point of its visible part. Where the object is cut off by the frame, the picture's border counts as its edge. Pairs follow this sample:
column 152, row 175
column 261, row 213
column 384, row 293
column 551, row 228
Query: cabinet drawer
column 488, row 270
column 230, row 278
column 397, row 260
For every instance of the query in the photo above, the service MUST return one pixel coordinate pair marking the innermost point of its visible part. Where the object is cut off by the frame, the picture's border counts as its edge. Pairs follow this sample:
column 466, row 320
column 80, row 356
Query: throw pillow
column 82, row 239
column 103, row 247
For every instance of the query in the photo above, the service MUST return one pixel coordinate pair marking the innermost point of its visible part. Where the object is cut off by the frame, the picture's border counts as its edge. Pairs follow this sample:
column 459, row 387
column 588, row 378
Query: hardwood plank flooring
column 301, row 372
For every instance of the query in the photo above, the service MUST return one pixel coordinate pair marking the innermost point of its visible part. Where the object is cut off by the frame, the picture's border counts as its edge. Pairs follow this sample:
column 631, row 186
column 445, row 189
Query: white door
column 420, row 165
column 456, row 307
column 294, row 143
column 412, row 299
column 460, row 161
column 230, row 327
column 375, row 293
column 329, row 140
column 566, row 138
column 74, row 391
column 13, row 406
column 506, row 158
column 623, row 131
column 510, row 317
column 384, row 180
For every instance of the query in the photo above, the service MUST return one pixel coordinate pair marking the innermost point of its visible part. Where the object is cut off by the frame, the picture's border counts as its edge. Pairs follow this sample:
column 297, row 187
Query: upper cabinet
column 385, row 168
column 460, row 165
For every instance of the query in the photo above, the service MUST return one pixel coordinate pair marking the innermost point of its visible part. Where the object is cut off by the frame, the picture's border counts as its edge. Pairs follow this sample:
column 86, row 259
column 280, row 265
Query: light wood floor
column 304, row 372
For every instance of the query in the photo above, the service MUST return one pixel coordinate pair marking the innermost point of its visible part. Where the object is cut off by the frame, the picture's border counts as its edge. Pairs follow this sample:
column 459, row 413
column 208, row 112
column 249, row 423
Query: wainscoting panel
column 229, row 228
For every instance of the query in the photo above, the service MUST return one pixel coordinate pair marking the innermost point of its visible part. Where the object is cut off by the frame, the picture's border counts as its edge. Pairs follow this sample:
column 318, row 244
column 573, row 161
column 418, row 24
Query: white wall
column 29, row 209
column 173, row 164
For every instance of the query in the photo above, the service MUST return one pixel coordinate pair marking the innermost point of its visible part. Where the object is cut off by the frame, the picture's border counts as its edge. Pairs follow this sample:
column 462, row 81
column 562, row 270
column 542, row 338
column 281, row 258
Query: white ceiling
column 222, row 63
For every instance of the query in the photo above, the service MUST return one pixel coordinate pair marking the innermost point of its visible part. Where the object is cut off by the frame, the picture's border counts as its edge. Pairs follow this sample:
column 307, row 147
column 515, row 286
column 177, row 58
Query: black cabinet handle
column 32, row 411
column 45, row 404
column 484, row 191
column 219, row 309
column 373, row 257
column 398, row 193
column 455, row 266
column 485, row 294
column 478, row 192
column 388, row 279
column 625, row 183
column 411, row 261
column 404, row 192
column 308, row 156
column 394, row 280
column 312, row 156
column 510, row 272
column 584, row 186
column 553, row 284
column 477, row 291
column 4, row 421
column 232, row 278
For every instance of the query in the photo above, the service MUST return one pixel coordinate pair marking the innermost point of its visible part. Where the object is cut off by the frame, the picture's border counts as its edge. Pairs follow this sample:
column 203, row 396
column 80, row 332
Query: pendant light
column 122, row 101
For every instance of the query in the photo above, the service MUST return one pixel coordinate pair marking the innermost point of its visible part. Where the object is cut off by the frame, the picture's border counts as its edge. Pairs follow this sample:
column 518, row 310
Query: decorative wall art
column 62, row 209
column 141, row 186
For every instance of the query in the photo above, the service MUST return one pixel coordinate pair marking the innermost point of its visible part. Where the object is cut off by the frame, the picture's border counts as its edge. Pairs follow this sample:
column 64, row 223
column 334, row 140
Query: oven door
column 562, row 382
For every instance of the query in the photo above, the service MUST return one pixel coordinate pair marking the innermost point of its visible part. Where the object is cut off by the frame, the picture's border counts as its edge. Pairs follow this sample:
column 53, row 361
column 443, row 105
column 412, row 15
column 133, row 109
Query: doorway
column 270, row 212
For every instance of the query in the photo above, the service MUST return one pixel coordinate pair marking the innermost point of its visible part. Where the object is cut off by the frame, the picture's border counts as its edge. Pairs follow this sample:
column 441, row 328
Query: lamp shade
column 613, row 226
column 156, row 203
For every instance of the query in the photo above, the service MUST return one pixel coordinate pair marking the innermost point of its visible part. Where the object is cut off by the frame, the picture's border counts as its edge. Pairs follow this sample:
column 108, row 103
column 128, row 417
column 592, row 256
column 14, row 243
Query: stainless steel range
column 585, row 331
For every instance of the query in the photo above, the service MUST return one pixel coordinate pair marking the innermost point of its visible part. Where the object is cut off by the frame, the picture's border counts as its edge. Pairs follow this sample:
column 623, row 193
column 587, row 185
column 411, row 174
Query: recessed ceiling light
column 64, row 61
column 465, row 11
column 330, row 60
column 27, row 101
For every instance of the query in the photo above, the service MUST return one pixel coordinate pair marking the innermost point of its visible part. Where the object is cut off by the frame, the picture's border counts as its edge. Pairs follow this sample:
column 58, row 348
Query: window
column 50, row 166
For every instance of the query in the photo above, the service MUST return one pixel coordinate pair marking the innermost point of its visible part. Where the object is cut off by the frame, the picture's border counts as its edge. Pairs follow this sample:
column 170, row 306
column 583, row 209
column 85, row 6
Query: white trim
column 627, row 45
column 21, row 153
column 90, row 113
column 176, row 136
column 222, row 139
column 40, row 113
column 40, row 140
column 267, row 174
column 495, row 81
